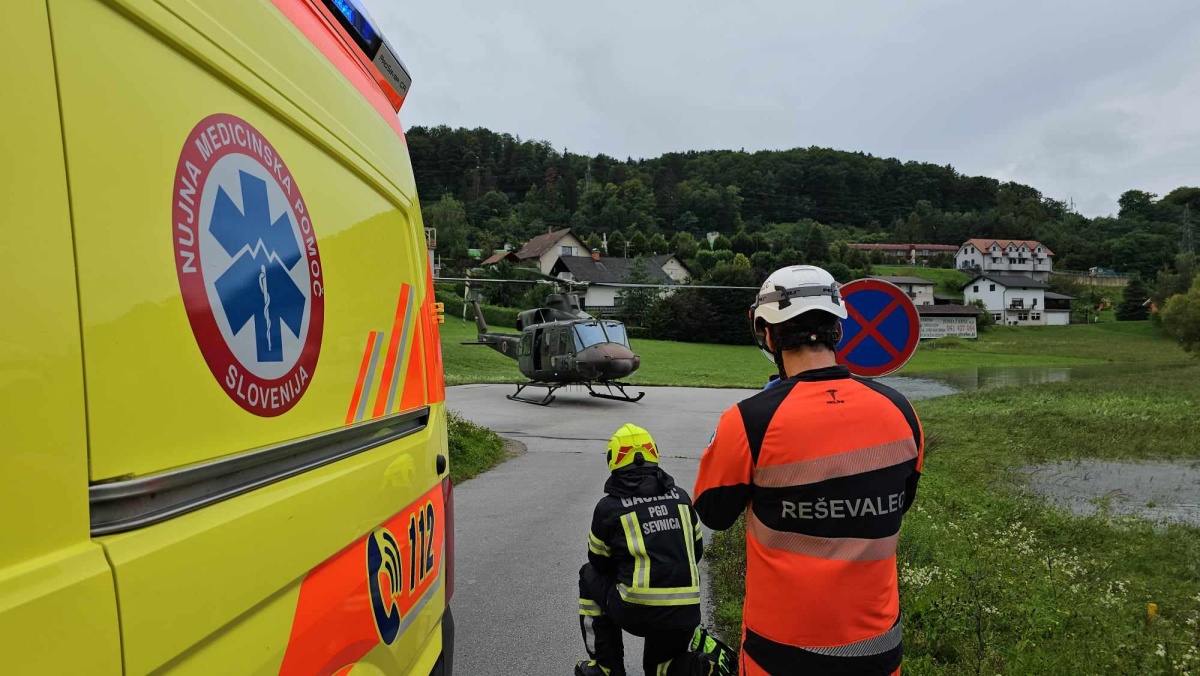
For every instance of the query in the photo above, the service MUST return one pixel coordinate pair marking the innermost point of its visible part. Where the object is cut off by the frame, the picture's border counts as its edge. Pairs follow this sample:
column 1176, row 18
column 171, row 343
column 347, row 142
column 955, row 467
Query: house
column 910, row 253
column 1016, row 300
column 1024, row 257
column 546, row 249
column 598, row 272
column 919, row 290
column 941, row 321
column 499, row 256
column 1058, row 308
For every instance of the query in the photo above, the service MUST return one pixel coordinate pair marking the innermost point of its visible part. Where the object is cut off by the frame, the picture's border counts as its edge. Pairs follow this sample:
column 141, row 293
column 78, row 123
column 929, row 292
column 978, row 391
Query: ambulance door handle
column 441, row 464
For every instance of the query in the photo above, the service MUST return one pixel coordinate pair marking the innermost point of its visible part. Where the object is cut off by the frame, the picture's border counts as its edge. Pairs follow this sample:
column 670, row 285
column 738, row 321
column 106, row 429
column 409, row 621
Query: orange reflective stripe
column 364, row 371
column 393, row 353
column 434, row 378
column 362, row 377
column 840, row 549
column 835, row 466
column 414, row 383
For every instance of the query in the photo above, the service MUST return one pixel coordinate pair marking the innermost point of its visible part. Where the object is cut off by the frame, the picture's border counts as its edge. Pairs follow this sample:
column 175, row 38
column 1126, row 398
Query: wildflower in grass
column 918, row 577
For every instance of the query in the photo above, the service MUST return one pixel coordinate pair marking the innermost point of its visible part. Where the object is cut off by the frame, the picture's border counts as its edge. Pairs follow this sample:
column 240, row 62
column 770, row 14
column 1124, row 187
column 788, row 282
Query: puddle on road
column 1159, row 491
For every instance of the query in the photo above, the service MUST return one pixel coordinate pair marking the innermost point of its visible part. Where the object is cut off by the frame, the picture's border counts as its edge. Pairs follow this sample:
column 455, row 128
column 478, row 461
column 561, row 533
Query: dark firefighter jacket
column 646, row 537
column 827, row 464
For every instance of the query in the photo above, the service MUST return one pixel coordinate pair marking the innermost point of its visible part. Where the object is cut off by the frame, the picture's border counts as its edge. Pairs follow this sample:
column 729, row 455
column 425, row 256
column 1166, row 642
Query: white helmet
column 790, row 292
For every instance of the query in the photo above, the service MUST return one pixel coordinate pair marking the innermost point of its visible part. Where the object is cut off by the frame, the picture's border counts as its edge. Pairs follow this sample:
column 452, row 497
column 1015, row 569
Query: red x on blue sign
column 882, row 328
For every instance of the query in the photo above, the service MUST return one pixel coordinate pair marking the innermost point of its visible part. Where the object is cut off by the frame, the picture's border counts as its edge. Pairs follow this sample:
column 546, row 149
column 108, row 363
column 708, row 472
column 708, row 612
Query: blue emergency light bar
column 357, row 25
column 361, row 27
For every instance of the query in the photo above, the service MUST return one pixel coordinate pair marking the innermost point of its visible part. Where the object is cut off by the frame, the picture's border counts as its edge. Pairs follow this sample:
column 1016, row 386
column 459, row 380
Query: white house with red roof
column 1022, row 257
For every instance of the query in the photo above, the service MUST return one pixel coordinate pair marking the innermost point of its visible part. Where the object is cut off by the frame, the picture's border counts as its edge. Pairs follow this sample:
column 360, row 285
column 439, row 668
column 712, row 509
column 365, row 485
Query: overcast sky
column 1083, row 100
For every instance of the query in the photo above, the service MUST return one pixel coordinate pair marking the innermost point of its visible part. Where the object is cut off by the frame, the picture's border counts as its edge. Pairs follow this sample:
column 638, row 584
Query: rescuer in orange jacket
column 827, row 464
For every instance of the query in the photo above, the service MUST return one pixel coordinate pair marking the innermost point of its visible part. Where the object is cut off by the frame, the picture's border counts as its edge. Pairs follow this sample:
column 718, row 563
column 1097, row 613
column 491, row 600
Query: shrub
column 684, row 316
column 984, row 321
column 473, row 449
column 1181, row 318
column 638, row 332
column 1132, row 307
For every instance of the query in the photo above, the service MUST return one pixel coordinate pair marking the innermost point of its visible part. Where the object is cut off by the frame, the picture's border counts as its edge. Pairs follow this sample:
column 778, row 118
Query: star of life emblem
column 248, row 265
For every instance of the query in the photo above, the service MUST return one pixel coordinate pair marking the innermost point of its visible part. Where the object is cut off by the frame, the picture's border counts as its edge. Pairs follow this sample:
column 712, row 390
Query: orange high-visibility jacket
column 828, row 464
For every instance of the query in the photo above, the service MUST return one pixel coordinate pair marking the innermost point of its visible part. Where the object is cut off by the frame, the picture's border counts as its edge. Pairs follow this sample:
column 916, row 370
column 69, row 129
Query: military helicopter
column 562, row 345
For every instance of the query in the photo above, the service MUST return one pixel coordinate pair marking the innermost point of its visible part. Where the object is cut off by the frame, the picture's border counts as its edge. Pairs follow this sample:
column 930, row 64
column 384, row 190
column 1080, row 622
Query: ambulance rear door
column 58, row 612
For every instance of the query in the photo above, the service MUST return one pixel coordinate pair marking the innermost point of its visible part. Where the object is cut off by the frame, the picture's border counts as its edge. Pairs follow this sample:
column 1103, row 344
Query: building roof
column 983, row 244
column 949, row 310
column 497, row 257
column 919, row 281
column 1050, row 295
column 609, row 270
column 1011, row 281
column 903, row 247
column 539, row 245
column 661, row 260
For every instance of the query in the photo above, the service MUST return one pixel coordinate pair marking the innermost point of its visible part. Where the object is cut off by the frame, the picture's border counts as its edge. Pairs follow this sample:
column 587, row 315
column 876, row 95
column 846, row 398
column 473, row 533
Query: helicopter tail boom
column 480, row 323
column 504, row 343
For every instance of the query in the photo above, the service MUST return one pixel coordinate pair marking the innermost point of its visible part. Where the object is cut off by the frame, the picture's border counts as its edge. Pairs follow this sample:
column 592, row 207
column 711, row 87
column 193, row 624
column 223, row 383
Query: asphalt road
column 521, row 529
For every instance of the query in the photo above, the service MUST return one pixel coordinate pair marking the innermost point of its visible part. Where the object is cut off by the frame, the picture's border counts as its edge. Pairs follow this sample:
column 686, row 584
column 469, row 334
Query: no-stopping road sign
column 882, row 328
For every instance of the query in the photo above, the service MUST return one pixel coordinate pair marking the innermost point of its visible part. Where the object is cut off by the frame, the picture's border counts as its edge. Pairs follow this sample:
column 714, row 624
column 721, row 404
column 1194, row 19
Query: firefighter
column 641, row 575
column 828, row 465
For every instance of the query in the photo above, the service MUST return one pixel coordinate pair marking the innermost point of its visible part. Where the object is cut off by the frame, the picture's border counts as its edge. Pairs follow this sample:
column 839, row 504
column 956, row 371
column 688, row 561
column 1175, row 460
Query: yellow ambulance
column 221, row 396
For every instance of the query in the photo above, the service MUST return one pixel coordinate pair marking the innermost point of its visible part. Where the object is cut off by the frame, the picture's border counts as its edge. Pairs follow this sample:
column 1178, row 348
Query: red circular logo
column 248, row 264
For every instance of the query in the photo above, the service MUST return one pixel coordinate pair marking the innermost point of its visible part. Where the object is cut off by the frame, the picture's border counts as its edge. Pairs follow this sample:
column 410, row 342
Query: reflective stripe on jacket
column 646, row 536
column 828, row 465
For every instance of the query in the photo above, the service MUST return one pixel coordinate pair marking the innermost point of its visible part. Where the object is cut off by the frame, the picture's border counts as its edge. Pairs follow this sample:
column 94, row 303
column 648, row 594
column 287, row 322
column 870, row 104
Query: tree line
column 507, row 190
column 483, row 189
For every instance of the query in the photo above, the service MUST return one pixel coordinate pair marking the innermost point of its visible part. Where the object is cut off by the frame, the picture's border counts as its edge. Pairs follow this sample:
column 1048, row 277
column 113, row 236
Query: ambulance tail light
column 448, row 501
column 391, row 73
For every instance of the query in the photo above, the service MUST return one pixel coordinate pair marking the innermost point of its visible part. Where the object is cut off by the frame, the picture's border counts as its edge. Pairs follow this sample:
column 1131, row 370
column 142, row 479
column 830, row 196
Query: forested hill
column 511, row 189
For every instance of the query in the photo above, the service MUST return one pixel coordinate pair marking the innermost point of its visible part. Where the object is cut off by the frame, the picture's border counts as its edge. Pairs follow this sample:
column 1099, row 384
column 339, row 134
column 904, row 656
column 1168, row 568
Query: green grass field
column 992, row 581
column 702, row 365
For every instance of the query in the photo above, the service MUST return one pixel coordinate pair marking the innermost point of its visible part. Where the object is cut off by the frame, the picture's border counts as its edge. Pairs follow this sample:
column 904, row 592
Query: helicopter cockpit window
column 616, row 333
column 587, row 335
column 526, row 345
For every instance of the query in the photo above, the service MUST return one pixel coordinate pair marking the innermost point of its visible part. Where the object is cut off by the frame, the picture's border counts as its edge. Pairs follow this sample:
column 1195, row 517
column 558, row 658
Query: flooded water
column 944, row 383
column 1159, row 491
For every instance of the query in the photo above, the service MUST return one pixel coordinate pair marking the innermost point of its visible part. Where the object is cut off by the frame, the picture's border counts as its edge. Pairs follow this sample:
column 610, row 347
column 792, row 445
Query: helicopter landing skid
column 609, row 385
column 544, row 401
